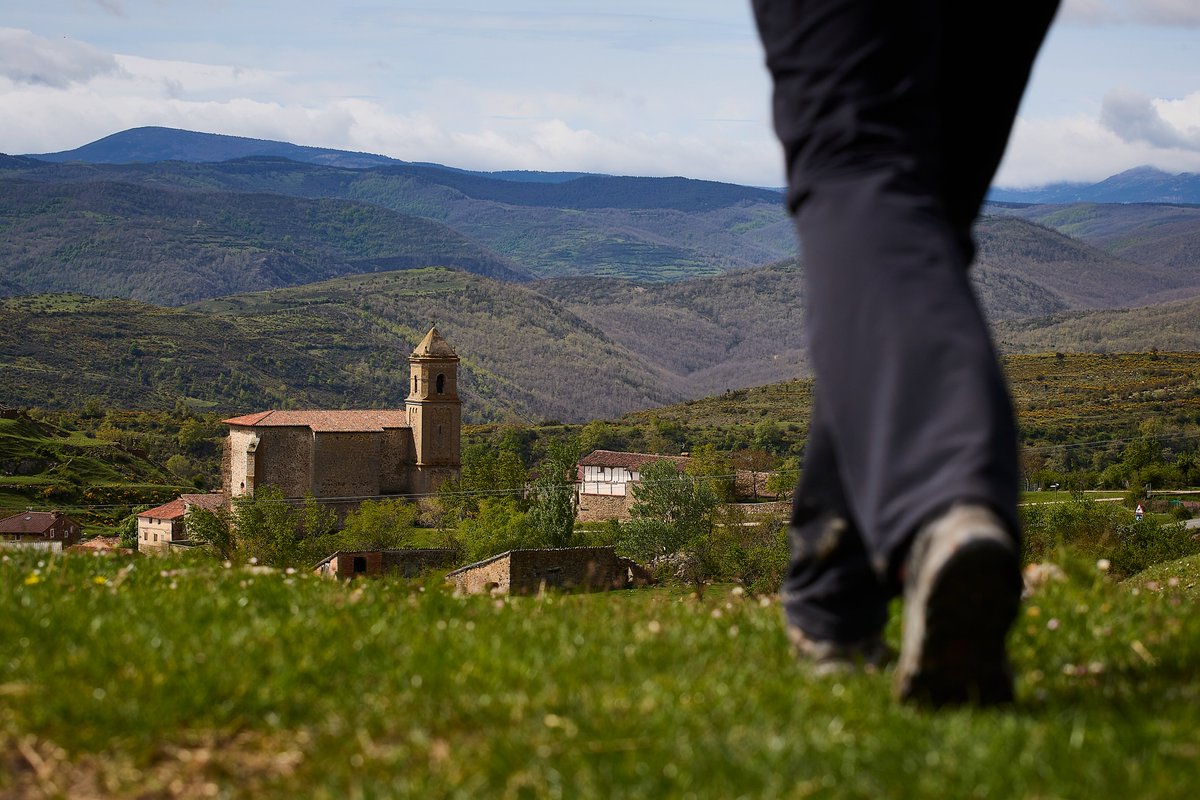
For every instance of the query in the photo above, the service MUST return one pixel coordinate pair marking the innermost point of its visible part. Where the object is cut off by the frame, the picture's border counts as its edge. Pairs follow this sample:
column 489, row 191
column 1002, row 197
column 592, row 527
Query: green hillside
column 644, row 228
column 1166, row 326
column 42, row 465
column 172, row 247
column 1149, row 233
column 337, row 344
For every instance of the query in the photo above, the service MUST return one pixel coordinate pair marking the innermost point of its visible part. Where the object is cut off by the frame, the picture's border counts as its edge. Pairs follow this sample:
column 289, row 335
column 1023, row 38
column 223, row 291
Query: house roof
column 326, row 421
column 209, row 502
column 434, row 346
column 172, row 510
column 177, row 508
column 32, row 522
column 616, row 458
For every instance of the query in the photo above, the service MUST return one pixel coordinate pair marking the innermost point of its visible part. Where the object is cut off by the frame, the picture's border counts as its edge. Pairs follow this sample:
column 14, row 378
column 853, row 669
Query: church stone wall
column 395, row 461
column 284, row 459
column 346, row 464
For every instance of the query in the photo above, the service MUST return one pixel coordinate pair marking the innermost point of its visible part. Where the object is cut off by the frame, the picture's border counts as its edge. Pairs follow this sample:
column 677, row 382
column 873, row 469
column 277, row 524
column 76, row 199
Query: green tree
column 486, row 473
column 214, row 530
column 378, row 525
column 671, row 511
column 497, row 526
column 716, row 468
column 555, row 501
column 782, row 482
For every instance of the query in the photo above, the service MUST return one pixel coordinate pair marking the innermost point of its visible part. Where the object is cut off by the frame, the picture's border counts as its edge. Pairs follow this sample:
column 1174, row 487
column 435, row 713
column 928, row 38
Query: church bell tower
column 434, row 412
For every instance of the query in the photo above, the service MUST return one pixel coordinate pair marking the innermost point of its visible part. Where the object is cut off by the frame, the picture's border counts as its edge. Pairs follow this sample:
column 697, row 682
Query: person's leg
column 831, row 593
column 917, row 410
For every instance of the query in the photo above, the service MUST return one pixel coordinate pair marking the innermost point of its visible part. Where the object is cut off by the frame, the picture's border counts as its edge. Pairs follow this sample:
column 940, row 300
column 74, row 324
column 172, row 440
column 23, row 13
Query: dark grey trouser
column 893, row 115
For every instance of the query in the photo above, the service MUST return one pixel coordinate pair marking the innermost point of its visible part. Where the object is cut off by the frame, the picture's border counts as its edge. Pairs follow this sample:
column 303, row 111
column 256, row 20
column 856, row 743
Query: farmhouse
column 162, row 527
column 530, row 571
column 345, row 457
column 46, row 530
column 407, row 563
column 606, row 478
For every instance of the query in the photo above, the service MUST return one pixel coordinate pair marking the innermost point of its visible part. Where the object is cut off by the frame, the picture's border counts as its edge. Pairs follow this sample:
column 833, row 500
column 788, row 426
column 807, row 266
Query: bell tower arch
column 434, row 412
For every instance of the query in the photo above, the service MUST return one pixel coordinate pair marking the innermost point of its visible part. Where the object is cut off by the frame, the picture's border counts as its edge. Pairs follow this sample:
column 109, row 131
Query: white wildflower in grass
column 1104, row 565
column 1052, row 625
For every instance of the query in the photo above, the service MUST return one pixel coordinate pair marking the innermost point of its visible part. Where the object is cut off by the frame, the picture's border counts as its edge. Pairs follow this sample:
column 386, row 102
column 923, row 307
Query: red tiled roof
column 30, row 522
column 171, row 510
column 326, row 421
column 615, row 458
column 209, row 502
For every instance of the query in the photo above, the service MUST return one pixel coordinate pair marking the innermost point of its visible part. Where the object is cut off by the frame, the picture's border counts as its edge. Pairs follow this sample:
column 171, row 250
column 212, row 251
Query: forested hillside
column 173, row 247
column 339, row 344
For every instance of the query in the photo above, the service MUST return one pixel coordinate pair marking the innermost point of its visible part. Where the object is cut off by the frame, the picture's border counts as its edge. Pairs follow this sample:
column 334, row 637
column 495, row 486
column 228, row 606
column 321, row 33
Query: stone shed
column 407, row 563
column 595, row 569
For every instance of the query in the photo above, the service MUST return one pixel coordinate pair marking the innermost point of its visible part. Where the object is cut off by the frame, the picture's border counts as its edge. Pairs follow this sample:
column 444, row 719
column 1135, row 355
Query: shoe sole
column 954, row 636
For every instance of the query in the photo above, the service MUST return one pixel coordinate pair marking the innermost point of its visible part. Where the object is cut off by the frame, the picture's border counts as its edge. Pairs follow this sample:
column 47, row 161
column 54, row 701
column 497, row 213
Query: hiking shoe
column 827, row 657
column 962, row 586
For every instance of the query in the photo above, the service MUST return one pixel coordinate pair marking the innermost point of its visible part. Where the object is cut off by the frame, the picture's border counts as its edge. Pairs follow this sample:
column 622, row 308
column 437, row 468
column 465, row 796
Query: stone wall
column 599, row 507
column 284, row 459
column 531, row 571
column 345, row 464
column 483, row 577
column 407, row 563
column 396, row 456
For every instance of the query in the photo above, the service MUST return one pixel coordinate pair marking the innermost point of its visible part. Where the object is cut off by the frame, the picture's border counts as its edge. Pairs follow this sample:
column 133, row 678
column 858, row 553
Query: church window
column 414, row 384
column 441, row 384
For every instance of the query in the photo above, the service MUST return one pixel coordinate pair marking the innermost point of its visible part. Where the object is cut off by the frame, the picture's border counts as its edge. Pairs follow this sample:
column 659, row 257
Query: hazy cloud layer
column 29, row 59
column 1149, row 12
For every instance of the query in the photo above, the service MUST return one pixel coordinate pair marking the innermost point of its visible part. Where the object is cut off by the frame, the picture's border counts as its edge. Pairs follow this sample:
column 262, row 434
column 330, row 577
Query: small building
column 100, row 545
column 162, row 527
column 45, row 530
column 594, row 569
column 406, row 562
column 606, row 478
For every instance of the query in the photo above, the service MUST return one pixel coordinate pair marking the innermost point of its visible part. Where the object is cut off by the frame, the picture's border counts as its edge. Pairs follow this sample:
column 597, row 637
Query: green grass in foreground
column 179, row 678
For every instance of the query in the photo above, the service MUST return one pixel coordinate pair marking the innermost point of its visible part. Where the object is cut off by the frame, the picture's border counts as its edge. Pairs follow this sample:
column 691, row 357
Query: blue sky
column 653, row 87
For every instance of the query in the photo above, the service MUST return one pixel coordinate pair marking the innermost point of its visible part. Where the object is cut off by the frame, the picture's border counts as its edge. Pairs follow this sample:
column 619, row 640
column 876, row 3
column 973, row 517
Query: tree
column 782, row 482
column 378, row 525
column 671, row 510
column 499, row 525
column 485, row 473
column 555, row 501
column 755, row 462
column 716, row 468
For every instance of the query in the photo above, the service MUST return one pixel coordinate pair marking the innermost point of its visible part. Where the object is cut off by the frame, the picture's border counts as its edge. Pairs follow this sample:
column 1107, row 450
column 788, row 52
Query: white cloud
column 26, row 58
column 1134, row 117
column 1082, row 148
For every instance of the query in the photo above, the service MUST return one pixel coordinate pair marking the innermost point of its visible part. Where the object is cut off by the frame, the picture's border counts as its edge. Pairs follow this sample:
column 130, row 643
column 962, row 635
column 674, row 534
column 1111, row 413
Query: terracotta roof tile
column 615, row 458
column 326, row 421
column 171, row 510
column 209, row 502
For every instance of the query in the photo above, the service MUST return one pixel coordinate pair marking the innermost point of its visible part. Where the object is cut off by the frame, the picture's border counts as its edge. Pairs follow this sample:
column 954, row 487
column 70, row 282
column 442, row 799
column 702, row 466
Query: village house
column 594, row 569
column 344, row 457
column 406, row 563
column 162, row 527
column 44, row 530
column 606, row 478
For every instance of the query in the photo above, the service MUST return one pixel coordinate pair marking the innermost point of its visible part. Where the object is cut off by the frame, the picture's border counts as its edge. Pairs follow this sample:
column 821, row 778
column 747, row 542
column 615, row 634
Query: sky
column 631, row 87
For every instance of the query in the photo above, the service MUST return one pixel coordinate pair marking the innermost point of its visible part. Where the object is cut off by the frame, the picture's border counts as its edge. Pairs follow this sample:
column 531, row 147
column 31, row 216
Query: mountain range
column 245, row 274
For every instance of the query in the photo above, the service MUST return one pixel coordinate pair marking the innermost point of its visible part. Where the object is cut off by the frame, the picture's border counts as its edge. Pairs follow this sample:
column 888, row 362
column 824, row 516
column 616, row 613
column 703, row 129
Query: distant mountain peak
column 1144, row 184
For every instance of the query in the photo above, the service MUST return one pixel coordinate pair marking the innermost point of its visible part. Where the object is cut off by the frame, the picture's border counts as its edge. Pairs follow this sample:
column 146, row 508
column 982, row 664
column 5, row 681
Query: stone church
column 349, row 456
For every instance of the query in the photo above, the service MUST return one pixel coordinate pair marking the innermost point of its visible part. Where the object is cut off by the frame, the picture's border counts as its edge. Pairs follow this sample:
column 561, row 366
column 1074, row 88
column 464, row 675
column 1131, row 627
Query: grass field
column 176, row 678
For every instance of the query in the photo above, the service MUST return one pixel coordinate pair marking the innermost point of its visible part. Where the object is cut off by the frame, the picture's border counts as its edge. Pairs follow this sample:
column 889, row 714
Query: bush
column 1102, row 530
